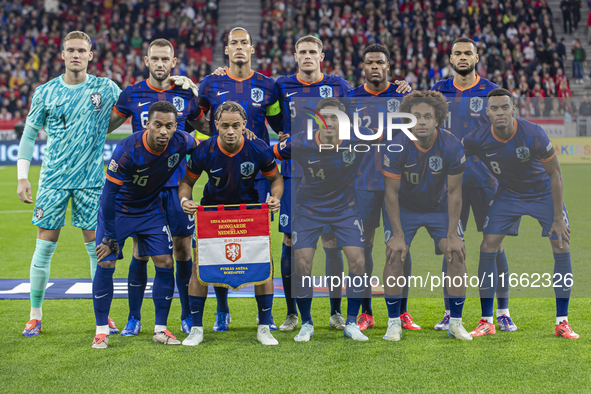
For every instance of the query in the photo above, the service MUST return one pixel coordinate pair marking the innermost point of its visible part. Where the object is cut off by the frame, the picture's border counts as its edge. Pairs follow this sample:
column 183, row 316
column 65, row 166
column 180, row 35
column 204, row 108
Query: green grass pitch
column 529, row 360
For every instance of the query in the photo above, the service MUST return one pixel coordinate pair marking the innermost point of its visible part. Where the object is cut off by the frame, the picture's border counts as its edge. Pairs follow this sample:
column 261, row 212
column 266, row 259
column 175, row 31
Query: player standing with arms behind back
column 74, row 110
column 466, row 95
column 377, row 96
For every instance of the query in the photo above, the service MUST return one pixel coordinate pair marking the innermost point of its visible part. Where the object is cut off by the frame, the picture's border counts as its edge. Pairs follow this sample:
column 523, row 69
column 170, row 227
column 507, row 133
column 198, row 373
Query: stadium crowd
column 31, row 34
column 518, row 45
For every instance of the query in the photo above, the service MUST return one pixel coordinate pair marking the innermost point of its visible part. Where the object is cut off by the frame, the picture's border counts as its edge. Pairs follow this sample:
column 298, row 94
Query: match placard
column 233, row 245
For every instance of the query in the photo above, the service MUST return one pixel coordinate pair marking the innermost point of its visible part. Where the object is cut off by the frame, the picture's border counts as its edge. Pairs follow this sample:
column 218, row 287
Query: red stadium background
column 524, row 46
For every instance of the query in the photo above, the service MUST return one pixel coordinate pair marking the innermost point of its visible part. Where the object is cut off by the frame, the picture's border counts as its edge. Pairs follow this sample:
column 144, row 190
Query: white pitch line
column 23, row 211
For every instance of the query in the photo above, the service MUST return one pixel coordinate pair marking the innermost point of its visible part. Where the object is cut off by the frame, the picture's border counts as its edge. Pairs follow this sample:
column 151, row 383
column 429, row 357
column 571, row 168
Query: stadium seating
column 31, row 34
column 519, row 47
column 516, row 40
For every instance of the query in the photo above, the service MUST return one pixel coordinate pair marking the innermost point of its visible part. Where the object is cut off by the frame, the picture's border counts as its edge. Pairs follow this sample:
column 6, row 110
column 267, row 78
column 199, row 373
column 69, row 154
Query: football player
column 258, row 96
column 222, row 157
column 134, row 102
column 309, row 83
column 73, row 110
column 522, row 158
column 423, row 182
column 312, row 84
column 326, row 199
column 376, row 96
column 466, row 95
column 131, row 205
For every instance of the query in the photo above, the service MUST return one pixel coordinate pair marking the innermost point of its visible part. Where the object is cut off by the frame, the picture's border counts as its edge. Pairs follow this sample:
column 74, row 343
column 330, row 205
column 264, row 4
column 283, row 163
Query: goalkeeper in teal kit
column 74, row 110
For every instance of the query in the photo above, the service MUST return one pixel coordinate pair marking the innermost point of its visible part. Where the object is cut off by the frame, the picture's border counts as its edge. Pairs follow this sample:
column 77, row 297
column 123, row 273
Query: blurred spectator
column 565, row 7
column 576, row 11
column 561, row 50
column 585, row 107
column 579, row 55
column 556, row 111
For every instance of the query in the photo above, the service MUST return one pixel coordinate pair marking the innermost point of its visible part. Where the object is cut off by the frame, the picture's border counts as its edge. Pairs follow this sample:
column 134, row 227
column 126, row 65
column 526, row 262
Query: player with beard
column 134, row 102
column 466, row 95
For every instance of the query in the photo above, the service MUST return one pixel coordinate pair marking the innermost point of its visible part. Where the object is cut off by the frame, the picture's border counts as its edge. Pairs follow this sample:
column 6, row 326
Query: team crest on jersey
column 39, row 213
column 435, row 163
column 233, row 252
column 178, row 103
column 257, row 95
column 348, row 157
column 325, row 91
column 523, row 153
column 172, row 160
column 283, row 220
column 294, row 237
column 393, row 105
column 96, row 99
column 476, row 104
column 282, row 145
column 247, row 168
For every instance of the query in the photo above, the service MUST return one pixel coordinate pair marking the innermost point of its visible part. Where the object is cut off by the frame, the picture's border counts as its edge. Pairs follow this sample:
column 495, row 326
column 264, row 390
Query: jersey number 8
column 495, row 167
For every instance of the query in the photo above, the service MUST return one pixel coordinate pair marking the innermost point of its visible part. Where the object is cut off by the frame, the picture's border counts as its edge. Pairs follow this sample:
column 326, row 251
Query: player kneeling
column 417, row 196
column 232, row 163
column 131, row 206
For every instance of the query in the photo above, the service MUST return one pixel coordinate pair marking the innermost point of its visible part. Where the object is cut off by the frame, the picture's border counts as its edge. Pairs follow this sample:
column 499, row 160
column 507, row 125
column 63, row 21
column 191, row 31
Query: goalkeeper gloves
column 185, row 83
